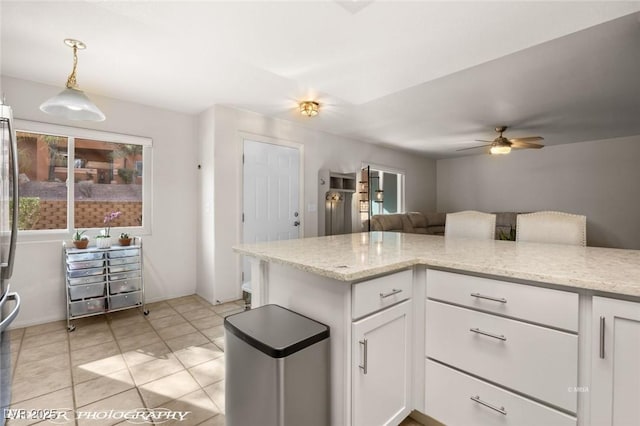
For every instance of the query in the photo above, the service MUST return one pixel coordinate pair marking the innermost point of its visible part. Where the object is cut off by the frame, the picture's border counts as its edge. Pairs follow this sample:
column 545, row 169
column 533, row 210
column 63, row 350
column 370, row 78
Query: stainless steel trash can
column 277, row 369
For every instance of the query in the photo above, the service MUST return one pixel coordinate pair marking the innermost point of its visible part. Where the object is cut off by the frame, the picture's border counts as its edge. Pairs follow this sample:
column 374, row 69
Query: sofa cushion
column 389, row 222
column 418, row 221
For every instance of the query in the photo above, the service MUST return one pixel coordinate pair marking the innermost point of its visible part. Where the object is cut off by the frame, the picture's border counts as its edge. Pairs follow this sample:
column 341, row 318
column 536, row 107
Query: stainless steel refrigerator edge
column 8, row 237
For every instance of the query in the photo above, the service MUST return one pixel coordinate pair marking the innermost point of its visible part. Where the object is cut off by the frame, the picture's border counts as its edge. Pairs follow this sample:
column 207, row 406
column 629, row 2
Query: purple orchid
column 108, row 218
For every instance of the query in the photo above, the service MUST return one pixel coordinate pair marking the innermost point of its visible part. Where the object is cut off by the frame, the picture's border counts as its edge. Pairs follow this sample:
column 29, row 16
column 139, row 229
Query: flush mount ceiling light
column 72, row 103
column 309, row 108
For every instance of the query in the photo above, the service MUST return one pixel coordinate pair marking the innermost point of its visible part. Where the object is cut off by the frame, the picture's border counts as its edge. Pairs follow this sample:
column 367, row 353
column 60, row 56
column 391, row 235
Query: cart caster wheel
column 146, row 312
column 71, row 328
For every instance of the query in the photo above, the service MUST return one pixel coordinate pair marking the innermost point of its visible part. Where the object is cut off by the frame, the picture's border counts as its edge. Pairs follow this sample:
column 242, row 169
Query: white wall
column 321, row 151
column 599, row 179
column 170, row 250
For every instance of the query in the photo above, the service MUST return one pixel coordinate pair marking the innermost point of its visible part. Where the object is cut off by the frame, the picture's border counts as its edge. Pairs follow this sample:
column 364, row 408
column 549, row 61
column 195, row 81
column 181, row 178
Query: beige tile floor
column 172, row 358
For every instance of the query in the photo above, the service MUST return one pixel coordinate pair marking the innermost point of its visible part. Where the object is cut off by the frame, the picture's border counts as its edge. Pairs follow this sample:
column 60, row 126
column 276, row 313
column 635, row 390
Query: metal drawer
column 86, row 264
column 125, row 300
column 86, row 291
column 80, row 257
column 85, row 272
column 124, row 268
column 124, row 275
column 84, row 307
column 124, row 260
column 86, row 280
column 125, row 286
column 124, row 253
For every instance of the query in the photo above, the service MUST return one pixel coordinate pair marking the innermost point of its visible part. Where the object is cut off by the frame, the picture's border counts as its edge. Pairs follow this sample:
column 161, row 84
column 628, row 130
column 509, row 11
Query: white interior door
column 271, row 185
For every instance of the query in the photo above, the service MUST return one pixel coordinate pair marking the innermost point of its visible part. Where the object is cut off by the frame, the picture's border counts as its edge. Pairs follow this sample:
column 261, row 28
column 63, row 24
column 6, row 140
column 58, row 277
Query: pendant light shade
column 72, row 103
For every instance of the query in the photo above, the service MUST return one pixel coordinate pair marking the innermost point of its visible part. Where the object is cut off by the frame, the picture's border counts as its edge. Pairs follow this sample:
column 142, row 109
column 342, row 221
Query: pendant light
column 72, row 103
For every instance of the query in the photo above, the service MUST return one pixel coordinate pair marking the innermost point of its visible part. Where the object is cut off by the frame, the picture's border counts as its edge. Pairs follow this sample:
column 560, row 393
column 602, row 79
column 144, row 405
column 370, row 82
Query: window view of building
column 103, row 177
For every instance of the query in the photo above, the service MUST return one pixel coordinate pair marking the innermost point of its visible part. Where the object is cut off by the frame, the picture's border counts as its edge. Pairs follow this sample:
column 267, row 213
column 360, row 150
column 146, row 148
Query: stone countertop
column 353, row 257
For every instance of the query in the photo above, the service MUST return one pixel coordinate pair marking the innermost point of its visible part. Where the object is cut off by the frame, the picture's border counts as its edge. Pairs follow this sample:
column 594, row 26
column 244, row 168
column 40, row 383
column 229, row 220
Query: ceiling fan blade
column 525, row 145
column 529, row 139
column 480, row 140
column 473, row 147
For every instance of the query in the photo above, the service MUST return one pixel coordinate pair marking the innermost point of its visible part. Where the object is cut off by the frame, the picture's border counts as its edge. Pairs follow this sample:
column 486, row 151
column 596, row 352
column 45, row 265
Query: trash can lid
column 276, row 331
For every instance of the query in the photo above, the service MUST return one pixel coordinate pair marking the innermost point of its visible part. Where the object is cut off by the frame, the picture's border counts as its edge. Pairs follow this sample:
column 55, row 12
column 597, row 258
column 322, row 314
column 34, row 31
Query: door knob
column 296, row 223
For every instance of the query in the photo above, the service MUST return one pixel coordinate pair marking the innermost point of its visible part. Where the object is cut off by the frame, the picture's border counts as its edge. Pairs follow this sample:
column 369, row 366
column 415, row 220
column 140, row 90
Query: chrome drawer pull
column 391, row 293
column 364, row 343
column 485, row 333
column 602, row 337
column 500, row 410
column 495, row 299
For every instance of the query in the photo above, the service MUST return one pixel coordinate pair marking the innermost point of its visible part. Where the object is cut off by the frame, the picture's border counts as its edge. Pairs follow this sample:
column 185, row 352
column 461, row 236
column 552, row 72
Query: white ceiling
column 424, row 76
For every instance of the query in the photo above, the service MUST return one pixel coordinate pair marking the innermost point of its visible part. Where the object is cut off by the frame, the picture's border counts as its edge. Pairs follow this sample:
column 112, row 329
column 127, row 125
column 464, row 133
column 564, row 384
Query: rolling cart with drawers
column 99, row 281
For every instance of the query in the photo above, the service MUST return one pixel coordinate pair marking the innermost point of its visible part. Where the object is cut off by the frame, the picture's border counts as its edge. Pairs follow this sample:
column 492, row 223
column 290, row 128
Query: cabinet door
column 615, row 384
column 381, row 367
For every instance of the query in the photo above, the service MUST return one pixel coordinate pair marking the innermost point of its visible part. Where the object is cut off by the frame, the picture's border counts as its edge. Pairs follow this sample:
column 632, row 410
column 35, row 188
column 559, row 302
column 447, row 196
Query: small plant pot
column 103, row 243
column 81, row 244
column 124, row 241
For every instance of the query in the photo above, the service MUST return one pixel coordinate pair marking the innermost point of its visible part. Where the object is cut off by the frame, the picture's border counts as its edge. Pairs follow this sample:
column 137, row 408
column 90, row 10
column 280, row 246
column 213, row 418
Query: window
column 71, row 178
column 392, row 185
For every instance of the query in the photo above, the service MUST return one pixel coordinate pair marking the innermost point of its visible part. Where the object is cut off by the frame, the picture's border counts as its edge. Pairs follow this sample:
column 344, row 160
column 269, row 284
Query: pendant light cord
column 71, row 81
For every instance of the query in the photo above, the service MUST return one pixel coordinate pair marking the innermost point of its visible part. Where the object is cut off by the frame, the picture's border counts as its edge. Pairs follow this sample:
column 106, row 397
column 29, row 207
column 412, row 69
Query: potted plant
column 125, row 239
column 80, row 240
column 104, row 239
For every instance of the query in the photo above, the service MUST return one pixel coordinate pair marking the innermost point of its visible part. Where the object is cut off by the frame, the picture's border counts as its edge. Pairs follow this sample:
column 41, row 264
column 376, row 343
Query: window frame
column 401, row 182
column 73, row 133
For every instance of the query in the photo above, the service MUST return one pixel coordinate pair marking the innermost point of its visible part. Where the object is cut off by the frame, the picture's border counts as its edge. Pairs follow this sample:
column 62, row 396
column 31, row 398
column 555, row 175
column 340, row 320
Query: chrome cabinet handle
column 602, row 337
column 495, row 299
column 391, row 293
column 500, row 410
column 363, row 367
column 486, row 333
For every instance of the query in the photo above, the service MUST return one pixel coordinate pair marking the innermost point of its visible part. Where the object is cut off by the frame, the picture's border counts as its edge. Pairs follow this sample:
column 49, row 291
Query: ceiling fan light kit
column 498, row 150
column 72, row 103
column 309, row 108
column 502, row 145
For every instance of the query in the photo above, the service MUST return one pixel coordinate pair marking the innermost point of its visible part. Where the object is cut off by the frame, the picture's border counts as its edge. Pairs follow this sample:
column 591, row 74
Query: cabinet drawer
column 86, row 264
column 85, row 307
column 86, row 280
column 124, row 260
column 124, row 275
column 82, row 257
column 86, row 291
column 536, row 304
column 378, row 293
column 448, row 396
column 124, row 268
column 125, row 300
column 534, row 360
column 124, row 286
column 85, row 272
column 124, row 253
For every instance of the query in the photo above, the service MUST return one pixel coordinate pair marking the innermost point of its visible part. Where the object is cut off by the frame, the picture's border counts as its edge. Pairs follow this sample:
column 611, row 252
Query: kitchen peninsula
column 465, row 330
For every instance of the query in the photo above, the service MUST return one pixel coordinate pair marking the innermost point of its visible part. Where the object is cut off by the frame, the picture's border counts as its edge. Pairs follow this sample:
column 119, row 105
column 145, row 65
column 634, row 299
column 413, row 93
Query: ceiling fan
column 502, row 145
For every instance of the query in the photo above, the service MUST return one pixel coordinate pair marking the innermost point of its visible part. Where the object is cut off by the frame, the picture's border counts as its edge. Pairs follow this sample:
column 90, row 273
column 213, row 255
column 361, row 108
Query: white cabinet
column 494, row 347
column 381, row 363
column 615, row 363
